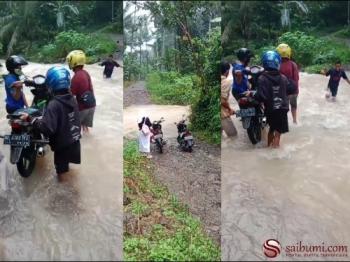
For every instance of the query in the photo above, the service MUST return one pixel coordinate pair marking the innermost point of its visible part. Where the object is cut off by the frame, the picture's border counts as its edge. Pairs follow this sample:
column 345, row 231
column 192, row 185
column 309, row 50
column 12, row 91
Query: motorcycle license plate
column 158, row 136
column 245, row 112
column 188, row 137
column 17, row 140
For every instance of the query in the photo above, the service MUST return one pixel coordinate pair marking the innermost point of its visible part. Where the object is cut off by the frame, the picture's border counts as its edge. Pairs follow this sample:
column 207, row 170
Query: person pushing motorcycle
column 272, row 91
column 15, row 98
column 60, row 122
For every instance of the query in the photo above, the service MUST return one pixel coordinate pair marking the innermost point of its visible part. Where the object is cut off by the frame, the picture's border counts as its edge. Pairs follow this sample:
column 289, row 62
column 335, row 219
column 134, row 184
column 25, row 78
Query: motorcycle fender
column 15, row 154
column 246, row 122
column 189, row 143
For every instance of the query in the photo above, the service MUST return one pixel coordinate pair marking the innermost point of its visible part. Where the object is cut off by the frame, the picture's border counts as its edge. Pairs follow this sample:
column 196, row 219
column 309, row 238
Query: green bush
column 172, row 88
column 343, row 33
column 93, row 46
column 205, row 117
column 304, row 47
column 308, row 50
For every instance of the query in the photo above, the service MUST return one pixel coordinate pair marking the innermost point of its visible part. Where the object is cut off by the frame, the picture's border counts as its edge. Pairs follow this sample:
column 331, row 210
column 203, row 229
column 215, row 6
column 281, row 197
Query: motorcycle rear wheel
column 26, row 162
column 254, row 131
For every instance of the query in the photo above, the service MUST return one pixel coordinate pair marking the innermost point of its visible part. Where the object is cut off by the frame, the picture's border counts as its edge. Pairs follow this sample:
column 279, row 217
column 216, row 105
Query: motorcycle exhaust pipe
column 41, row 152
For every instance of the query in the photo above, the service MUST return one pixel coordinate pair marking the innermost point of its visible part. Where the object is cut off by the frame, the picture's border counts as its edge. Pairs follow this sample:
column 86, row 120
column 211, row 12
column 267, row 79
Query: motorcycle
column 158, row 134
column 184, row 138
column 251, row 111
column 27, row 143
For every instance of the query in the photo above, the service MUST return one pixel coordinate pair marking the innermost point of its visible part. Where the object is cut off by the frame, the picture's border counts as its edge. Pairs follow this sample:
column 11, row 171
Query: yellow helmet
column 76, row 58
column 284, row 50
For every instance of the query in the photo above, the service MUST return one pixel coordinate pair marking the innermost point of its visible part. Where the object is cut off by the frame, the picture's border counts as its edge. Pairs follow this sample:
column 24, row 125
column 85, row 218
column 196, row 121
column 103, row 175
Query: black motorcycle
column 158, row 134
column 26, row 142
column 184, row 138
column 251, row 111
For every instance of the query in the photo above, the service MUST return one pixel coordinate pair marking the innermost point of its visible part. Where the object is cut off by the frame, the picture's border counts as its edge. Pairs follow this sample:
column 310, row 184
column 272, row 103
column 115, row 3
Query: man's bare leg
column 294, row 114
column 276, row 141
column 270, row 138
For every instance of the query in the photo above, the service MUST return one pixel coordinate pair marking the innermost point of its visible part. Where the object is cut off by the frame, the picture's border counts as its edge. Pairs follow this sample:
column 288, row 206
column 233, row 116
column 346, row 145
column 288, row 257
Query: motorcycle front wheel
column 159, row 144
column 26, row 162
column 254, row 131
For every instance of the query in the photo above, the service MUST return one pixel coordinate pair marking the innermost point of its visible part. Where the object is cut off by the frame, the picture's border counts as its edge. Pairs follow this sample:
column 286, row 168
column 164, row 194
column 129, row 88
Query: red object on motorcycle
column 243, row 101
column 16, row 126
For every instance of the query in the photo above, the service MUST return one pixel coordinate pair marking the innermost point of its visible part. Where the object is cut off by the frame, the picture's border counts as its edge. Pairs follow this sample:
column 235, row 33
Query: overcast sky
column 150, row 25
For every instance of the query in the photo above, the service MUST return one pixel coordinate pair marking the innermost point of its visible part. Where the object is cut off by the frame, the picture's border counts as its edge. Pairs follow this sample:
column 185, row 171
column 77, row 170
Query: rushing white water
column 299, row 192
column 80, row 218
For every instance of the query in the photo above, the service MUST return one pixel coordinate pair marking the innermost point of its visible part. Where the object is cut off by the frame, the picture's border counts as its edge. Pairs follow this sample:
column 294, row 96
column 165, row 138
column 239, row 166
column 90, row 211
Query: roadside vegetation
column 317, row 41
column 46, row 31
column 181, row 65
column 157, row 227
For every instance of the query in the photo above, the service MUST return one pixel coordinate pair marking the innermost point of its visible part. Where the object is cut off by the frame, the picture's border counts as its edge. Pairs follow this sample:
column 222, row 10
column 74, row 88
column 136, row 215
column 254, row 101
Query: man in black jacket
column 272, row 91
column 61, row 121
column 109, row 65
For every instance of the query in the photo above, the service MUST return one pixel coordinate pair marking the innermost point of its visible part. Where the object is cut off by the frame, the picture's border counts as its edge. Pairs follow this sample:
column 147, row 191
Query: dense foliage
column 27, row 27
column 182, row 60
column 159, row 227
column 172, row 88
column 67, row 41
column 309, row 27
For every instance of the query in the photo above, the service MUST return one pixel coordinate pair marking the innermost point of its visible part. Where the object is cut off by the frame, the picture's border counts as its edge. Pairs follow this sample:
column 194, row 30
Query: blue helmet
column 271, row 60
column 58, row 78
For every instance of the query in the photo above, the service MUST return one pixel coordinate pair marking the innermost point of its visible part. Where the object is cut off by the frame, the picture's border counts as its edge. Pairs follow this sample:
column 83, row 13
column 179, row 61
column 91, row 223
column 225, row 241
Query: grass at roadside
column 157, row 226
column 171, row 88
column 128, row 83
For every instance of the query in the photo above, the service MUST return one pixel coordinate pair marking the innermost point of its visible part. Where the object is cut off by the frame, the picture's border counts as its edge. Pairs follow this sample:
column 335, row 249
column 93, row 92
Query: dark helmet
column 244, row 54
column 15, row 61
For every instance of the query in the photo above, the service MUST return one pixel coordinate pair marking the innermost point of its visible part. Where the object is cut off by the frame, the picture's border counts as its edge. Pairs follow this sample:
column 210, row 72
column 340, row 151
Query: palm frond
column 6, row 29
column 5, row 19
column 302, row 6
column 13, row 41
column 72, row 8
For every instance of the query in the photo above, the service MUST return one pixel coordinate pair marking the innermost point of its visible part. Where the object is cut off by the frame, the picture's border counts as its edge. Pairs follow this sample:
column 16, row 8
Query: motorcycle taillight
column 243, row 101
column 15, row 126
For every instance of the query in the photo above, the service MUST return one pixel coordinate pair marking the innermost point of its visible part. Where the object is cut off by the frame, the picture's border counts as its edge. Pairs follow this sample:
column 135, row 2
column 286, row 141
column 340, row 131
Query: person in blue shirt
column 240, row 72
column 15, row 98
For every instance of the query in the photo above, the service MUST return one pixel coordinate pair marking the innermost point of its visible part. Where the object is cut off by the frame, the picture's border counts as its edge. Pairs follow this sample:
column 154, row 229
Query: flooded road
column 299, row 192
column 81, row 217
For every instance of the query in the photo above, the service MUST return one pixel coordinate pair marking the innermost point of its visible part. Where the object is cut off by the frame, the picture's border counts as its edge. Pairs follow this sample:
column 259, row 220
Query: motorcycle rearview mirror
column 39, row 80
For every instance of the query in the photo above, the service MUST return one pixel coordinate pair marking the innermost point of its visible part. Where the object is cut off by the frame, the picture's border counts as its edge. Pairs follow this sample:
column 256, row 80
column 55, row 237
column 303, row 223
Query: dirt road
column 193, row 177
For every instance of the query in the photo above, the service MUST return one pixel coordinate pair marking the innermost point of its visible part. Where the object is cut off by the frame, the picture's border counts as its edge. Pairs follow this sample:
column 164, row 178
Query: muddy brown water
column 299, row 192
column 80, row 218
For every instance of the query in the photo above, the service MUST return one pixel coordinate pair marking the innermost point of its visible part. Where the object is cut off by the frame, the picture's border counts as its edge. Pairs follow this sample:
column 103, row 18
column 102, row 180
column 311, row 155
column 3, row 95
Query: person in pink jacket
column 291, row 71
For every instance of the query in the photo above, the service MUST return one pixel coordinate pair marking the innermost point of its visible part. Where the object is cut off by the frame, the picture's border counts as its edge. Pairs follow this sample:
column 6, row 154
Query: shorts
column 228, row 126
column 278, row 121
column 87, row 117
column 64, row 156
column 293, row 100
column 334, row 90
